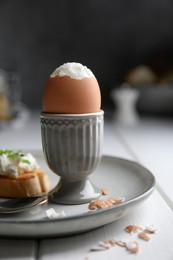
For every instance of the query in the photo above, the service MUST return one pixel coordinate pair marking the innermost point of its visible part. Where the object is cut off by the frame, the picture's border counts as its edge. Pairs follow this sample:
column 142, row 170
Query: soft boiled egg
column 71, row 89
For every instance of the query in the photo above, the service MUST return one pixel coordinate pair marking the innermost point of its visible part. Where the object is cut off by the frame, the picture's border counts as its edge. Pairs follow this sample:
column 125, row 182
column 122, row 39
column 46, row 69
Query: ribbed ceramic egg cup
column 72, row 146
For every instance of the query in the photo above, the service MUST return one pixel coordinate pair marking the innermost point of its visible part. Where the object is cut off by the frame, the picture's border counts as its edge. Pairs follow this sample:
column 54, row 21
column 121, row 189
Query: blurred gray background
column 109, row 37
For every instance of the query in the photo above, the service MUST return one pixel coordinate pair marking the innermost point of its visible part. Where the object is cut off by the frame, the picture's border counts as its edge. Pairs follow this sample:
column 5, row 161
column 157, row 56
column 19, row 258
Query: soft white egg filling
column 17, row 165
column 73, row 70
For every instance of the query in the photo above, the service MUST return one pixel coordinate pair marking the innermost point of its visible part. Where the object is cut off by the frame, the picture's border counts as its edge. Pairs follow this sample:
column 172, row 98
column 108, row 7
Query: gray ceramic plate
column 123, row 178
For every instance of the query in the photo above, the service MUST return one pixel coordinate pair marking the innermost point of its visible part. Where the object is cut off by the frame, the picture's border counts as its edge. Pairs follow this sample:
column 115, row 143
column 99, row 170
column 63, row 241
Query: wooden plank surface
column 152, row 211
column 151, row 143
column 18, row 249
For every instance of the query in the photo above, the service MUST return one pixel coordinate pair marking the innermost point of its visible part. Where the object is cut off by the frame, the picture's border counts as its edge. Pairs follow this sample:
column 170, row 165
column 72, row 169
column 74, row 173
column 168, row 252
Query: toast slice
column 25, row 185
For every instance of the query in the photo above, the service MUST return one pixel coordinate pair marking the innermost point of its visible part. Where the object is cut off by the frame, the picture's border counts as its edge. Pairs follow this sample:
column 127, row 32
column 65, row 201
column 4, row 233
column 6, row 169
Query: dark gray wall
column 108, row 36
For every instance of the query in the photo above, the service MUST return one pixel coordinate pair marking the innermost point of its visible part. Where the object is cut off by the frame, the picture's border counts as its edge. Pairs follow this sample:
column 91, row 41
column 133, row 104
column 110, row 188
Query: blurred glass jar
column 10, row 94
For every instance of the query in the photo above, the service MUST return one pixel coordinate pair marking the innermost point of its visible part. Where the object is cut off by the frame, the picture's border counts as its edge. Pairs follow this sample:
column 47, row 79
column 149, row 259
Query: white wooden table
column 151, row 144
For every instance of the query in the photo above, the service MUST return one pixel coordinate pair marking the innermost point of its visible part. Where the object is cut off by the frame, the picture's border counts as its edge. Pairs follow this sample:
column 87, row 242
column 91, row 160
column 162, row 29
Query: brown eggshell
column 65, row 95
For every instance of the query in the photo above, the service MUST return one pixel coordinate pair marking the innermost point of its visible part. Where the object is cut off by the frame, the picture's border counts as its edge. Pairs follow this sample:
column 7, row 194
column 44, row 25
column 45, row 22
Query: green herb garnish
column 12, row 154
column 25, row 161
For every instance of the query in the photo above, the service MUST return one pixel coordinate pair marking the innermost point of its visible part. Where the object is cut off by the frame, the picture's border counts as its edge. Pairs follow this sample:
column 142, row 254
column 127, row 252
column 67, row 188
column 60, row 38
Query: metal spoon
column 18, row 205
